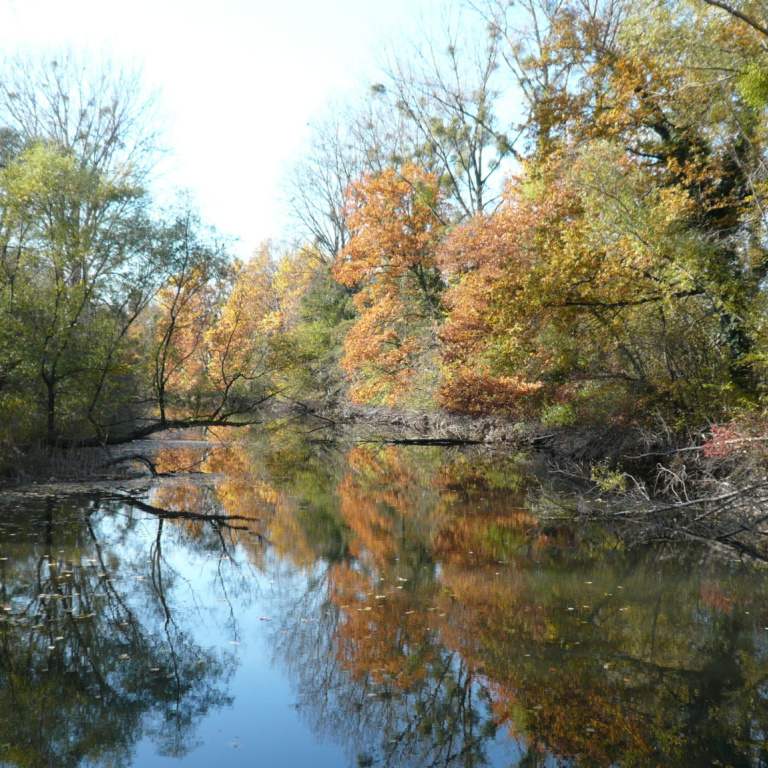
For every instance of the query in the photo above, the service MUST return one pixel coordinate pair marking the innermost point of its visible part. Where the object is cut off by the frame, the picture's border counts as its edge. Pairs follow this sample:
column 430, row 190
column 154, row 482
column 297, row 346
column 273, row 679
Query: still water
column 361, row 605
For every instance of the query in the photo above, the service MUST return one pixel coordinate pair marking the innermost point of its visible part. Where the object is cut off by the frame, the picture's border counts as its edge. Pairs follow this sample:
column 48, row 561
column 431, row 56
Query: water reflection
column 461, row 622
column 422, row 613
column 92, row 656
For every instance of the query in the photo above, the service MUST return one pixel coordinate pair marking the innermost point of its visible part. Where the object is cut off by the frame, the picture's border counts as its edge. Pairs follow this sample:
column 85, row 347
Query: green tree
column 75, row 257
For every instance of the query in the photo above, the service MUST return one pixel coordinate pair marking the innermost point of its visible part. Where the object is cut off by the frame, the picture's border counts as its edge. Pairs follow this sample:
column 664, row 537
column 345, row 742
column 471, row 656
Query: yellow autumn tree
column 573, row 299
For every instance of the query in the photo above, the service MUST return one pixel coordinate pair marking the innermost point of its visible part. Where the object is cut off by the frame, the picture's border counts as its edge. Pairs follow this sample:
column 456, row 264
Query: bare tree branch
column 751, row 21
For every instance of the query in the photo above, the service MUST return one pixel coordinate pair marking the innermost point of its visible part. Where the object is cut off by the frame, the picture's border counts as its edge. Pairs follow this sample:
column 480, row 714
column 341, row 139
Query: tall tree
column 396, row 220
column 74, row 254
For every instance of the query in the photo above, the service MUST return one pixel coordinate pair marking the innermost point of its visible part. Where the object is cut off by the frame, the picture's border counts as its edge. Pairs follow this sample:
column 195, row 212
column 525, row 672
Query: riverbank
column 654, row 487
column 619, row 448
column 616, row 444
column 656, row 490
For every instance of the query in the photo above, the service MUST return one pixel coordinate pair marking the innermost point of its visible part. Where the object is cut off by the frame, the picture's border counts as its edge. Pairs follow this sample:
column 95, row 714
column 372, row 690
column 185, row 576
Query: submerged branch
column 447, row 441
column 133, row 457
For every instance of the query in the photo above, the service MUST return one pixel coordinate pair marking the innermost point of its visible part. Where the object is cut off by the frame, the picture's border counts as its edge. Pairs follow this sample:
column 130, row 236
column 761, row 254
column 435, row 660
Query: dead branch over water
column 697, row 501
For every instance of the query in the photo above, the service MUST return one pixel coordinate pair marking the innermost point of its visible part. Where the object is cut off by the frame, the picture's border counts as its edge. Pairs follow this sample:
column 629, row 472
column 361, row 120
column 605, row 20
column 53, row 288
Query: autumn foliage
column 619, row 271
column 597, row 258
column 395, row 220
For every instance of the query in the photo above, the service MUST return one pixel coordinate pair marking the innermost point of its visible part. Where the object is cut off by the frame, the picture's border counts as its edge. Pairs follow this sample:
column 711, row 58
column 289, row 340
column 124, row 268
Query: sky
column 239, row 82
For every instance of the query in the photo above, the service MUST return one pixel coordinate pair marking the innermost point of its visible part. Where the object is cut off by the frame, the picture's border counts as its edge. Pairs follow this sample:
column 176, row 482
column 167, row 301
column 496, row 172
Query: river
column 358, row 604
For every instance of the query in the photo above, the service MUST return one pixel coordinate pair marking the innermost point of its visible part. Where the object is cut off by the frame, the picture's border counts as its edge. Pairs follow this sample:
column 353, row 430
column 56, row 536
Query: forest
column 550, row 211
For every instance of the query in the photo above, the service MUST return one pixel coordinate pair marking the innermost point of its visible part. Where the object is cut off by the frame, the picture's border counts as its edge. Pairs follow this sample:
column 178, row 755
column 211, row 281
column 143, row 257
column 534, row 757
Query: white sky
column 239, row 81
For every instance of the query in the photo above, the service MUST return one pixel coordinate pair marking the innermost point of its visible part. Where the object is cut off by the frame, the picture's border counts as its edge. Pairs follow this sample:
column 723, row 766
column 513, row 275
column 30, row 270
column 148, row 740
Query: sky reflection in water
column 365, row 606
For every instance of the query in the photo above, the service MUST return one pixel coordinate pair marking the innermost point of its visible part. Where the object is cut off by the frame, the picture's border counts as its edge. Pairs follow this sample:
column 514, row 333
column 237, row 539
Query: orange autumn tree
column 486, row 369
column 396, row 220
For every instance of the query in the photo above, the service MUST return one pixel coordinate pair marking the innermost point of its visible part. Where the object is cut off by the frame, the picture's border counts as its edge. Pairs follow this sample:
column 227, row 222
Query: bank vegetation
column 544, row 212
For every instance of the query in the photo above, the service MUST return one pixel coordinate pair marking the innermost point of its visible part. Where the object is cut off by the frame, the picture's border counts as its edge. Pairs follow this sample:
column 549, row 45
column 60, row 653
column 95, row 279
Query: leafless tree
column 447, row 88
column 92, row 106
column 349, row 141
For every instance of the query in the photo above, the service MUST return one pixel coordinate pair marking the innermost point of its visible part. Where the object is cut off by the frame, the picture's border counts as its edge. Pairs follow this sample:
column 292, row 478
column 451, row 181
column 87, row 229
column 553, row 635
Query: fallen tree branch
column 447, row 441
column 149, row 429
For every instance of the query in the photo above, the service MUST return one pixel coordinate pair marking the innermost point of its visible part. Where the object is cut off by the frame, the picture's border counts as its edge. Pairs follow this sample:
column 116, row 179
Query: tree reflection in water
column 455, row 619
column 92, row 657
column 425, row 615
